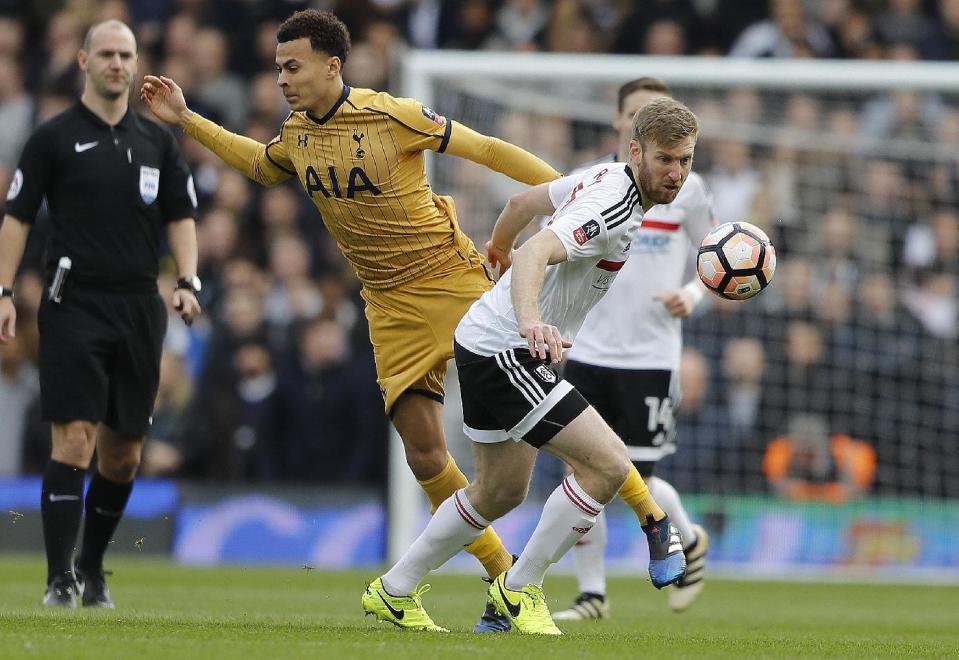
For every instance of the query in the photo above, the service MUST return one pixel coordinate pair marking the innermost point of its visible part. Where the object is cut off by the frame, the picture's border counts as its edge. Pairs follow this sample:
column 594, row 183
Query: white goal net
column 834, row 393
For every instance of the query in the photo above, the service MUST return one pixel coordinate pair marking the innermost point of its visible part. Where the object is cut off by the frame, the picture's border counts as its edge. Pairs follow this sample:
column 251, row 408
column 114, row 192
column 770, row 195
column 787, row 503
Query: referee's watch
column 192, row 283
column 6, row 293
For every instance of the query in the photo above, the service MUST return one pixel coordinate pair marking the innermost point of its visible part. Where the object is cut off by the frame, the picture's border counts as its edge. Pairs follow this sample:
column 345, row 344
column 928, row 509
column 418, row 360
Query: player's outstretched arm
column 165, row 100
column 516, row 216
column 529, row 268
column 499, row 156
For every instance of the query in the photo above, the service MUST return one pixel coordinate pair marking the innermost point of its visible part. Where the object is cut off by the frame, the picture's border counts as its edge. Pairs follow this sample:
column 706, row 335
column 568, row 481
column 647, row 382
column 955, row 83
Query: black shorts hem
column 120, row 429
column 556, row 419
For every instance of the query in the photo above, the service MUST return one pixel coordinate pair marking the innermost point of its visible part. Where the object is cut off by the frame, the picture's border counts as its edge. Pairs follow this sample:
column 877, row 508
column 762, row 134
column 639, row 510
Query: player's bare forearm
column 181, row 235
column 13, row 240
column 529, row 268
column 530, row 262
column 518, row 213
column 500, row 156
column 529, row 265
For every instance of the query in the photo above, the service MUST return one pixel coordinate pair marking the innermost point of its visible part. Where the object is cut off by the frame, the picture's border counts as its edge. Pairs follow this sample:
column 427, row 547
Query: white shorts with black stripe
column 514, row 395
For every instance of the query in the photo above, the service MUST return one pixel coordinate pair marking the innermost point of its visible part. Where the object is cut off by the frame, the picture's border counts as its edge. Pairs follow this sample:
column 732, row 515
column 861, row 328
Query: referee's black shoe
column 61, row 592
column 93, row 586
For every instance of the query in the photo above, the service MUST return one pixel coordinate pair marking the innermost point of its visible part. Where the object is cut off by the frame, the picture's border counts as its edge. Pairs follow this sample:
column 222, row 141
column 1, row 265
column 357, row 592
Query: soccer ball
column 736, row 260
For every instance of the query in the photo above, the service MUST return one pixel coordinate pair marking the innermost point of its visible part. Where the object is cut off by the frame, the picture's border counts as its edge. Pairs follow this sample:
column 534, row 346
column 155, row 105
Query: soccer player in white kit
column 626, row 358
column 505, row 349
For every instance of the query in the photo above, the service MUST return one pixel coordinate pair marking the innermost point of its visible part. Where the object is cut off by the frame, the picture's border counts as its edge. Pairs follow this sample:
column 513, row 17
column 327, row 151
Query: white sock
column 569, row 513
column 668, row 499
column 589, row 556
column 455, row 524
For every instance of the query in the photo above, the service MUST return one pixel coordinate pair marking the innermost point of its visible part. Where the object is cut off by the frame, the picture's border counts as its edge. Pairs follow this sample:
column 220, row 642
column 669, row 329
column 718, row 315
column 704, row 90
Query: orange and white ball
column 736, row 260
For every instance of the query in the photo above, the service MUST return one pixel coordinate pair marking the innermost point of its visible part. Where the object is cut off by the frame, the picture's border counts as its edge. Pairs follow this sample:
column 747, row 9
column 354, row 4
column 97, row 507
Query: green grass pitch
column 167, row 611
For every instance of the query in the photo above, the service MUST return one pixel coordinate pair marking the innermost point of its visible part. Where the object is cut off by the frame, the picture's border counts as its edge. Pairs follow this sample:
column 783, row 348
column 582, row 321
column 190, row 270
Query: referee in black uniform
column 112, row 180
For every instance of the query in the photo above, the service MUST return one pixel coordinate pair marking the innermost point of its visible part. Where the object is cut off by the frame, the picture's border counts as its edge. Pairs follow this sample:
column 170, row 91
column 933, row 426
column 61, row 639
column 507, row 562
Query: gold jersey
column 362, row 165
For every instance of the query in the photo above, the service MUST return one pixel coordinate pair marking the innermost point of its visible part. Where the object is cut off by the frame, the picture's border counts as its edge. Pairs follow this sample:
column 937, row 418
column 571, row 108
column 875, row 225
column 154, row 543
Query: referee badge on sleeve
column 149, row 183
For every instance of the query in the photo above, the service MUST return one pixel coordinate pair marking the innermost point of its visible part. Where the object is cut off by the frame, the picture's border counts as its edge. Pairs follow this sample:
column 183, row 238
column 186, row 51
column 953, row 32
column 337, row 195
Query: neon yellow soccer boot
column 526, row 609
column 403, row 611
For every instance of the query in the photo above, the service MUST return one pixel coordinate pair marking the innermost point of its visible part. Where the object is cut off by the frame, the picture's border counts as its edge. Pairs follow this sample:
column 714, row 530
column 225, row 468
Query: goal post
column 852, row 168
column 421, row 68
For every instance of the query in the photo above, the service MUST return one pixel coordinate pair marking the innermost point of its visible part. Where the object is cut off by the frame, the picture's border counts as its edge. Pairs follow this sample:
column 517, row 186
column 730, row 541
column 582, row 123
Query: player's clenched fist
column 499, row 259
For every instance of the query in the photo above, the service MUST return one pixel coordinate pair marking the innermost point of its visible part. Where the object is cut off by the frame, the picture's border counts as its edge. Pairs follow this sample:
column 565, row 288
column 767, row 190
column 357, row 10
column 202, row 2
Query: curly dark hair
column 327, row 33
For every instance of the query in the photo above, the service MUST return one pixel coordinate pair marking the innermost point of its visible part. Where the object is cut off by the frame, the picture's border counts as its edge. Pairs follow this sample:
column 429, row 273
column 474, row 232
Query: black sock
column 61, row 509
column 106, row 501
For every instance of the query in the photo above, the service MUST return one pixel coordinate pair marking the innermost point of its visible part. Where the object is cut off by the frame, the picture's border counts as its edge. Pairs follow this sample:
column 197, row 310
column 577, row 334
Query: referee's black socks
column 105, row 503
column 61, row 508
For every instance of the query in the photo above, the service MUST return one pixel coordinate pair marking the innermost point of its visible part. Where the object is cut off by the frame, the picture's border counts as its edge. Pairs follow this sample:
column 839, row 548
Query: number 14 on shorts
column 660, row 415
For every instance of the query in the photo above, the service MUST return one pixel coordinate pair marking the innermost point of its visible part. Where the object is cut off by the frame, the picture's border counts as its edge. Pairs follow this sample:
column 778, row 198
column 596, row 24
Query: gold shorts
column 411, row 326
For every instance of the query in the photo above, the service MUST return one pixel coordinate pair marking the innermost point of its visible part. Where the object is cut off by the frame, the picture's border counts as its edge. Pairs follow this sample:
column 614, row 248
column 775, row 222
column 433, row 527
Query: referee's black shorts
column 636, row 403
column 99, row 358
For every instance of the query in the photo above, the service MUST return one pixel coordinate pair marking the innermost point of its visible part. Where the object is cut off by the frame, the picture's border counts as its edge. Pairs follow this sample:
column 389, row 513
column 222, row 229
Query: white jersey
column 629, row 329
column 595, row 222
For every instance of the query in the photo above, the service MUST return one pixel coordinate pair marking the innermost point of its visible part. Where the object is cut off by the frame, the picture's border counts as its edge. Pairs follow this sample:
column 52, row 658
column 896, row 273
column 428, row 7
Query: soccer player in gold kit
column 358, row 154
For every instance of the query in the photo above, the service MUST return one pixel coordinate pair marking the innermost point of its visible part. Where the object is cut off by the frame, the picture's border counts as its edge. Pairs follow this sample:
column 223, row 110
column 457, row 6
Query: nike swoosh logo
column 62, row 498
column 513, row 609
column 399, row 614
column 80, row 148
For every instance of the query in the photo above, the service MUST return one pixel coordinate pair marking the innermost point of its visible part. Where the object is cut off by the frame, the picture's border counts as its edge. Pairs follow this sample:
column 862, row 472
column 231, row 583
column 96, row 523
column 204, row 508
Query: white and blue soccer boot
column 667, row 561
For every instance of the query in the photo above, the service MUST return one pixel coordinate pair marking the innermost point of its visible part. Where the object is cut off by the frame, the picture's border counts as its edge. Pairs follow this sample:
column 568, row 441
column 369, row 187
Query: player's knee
column 509, row 497
column 618, row 472
column 120, row 468
column 73, row 443
column 611, row 472
column 426, row 463
column 119, row 461
column 496, row 500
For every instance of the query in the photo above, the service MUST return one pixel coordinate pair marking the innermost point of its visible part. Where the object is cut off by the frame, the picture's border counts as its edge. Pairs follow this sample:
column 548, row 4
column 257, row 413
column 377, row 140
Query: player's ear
column 82, row 59
column 335, row 66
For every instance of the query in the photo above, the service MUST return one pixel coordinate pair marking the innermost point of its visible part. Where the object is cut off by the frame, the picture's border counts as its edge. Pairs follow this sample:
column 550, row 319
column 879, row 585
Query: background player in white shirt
column 626, row 358
column 505, row 348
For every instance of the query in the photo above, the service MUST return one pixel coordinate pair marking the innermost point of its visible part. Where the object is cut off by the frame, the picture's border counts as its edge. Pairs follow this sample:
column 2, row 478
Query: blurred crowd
column 860, row 331
column 277, row 381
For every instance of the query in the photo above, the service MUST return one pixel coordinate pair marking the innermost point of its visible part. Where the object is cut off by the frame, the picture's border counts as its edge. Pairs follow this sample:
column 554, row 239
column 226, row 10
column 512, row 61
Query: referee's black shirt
column 109, row 191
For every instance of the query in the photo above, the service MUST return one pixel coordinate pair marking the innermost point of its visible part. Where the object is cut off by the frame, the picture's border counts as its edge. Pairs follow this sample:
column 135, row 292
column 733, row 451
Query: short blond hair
column 664, row 121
